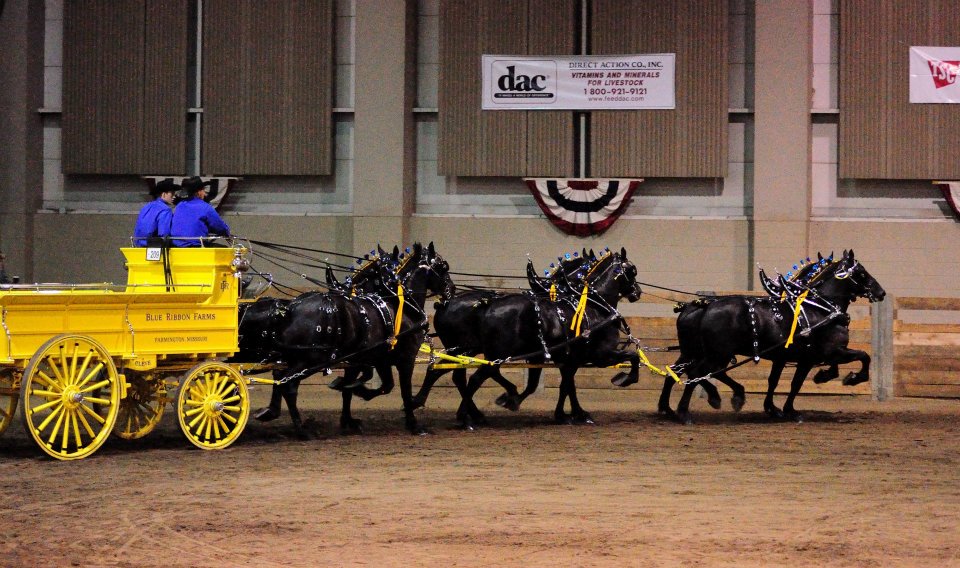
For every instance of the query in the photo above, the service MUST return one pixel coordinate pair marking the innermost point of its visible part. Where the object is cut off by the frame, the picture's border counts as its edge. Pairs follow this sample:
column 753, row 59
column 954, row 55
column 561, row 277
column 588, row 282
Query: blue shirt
column 153, row 221
column 196, row 218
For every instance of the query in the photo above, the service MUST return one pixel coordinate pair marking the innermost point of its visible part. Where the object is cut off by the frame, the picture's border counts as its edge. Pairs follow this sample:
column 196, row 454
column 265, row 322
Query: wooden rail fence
column 926, row 347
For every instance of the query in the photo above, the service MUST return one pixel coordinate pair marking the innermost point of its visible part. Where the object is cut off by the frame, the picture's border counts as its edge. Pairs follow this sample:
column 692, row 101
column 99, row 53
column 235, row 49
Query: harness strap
column 398, row 319
column 578, row 314
column 796, row 317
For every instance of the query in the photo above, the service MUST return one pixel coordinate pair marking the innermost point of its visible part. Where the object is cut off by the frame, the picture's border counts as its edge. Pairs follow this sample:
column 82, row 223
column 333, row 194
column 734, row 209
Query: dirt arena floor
column 859, row 483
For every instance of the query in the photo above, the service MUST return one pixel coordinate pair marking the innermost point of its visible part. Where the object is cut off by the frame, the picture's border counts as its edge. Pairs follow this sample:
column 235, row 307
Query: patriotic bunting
column 951, row 192
column 582, row 207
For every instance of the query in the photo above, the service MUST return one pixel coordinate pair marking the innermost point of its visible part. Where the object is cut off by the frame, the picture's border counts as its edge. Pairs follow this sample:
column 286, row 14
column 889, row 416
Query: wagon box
column 79, row 355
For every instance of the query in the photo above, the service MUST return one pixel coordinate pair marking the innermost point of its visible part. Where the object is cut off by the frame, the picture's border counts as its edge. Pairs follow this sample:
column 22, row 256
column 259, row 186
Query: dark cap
column 164, row 186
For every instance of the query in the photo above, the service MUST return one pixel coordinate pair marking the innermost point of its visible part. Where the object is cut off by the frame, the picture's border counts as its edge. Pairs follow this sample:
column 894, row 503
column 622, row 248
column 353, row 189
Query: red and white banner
column 933, row 74
column 951, row 192
column 582, row 207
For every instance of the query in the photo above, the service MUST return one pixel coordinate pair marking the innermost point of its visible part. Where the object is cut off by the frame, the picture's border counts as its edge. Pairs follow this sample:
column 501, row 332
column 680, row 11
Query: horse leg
column 349, row 424
column 739, row 393
column 625, row 379
column 533, row 383
column 386, row 385
column 828, row 374
column 468, row 414
column 349, row 380
column 568, row 389
column 663, row 405
column 803, row 369
column 431, row 377
column 773, row 379
column 510, row 398
column 682, row 415
column 290, row 390
column 405, row 377
column 272, row 410
column 861, row 376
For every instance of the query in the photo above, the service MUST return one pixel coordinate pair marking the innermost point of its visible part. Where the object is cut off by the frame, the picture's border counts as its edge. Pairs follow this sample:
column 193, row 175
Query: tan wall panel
column 689, row 141
column 225, row 97
column 908, row 259
column 165, row 87
column 121, row 100
column 549, row 134
column 268, row 87
column 81, row 85
column 458, row 97
column 103, row 89
column 473, row 142
column 308, row 96
column 265, row 87
column 882, row 135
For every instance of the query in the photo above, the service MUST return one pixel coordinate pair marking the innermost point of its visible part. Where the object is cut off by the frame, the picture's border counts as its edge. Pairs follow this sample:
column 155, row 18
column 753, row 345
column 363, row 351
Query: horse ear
column 396, row 252
column 431, row 249
column 417, row 248
column 851, row 254
column 819, row 256
column 623, row 253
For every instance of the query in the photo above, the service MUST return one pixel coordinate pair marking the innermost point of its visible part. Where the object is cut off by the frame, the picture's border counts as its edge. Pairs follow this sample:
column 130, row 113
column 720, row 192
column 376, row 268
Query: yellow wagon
column 86, row 360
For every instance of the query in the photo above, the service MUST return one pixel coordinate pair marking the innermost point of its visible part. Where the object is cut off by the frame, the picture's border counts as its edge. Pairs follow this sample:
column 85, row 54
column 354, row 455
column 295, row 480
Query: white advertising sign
column 583, row 82
column 933, row 74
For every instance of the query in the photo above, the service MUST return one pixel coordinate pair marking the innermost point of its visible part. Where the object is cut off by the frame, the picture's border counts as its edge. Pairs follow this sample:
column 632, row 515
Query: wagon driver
column 154, row 219
column 194, row 217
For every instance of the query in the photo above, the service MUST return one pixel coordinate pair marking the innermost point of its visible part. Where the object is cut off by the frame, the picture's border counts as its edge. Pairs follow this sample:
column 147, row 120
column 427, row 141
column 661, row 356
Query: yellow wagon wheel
column 142, row 408
column 70, row 396
column 212, row 405
column 9, row 396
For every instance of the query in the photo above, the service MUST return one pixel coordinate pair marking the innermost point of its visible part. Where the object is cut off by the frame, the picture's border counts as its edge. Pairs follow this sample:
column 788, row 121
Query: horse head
column 423, row 270
column 613, row 276
column 859, row 282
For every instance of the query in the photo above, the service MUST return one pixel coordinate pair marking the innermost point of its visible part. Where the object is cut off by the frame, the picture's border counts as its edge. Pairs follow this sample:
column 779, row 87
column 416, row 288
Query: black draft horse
column 536, row 329
column 457, row 325
column 760, row 327
column 261, row 321
column 320, row 330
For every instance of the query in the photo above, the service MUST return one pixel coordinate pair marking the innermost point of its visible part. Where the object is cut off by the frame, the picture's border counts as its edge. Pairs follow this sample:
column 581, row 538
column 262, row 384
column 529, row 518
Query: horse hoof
column 301, row 434
column 585, row 419
column 737, row 401
column 822, row 376
column 563, row 419
column 714, row 401
column 266, row 414
column 623, row 380
column 508, row 402
column 774, row 412
column 336, row 384
column 667, row 413
column 854, row 379
column 349, row 427
column 420, row 431
column 467, row 427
